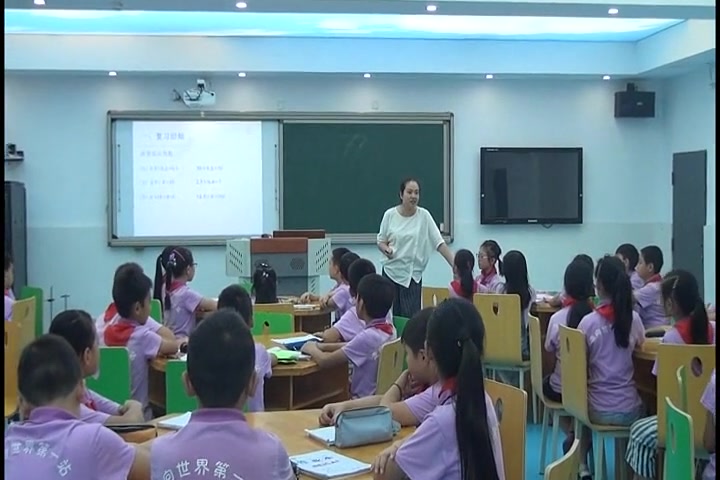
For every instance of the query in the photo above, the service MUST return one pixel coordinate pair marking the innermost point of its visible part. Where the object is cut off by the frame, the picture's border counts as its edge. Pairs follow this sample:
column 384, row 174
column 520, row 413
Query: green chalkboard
column 341, row 176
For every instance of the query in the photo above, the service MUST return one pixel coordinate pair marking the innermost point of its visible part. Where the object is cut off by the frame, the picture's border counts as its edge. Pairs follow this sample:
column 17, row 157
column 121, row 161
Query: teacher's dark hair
column 404, row 183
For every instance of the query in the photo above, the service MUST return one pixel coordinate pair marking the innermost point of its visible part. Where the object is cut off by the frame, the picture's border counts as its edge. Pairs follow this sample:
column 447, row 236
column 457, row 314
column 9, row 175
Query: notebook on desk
column 175, row 423
column 296, row 343
column 325, row 435
column 325, row 464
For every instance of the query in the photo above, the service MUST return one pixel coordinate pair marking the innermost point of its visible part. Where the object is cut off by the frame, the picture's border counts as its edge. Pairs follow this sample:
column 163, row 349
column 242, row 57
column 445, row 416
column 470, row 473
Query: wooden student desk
column 290, row 428
column 291, row 387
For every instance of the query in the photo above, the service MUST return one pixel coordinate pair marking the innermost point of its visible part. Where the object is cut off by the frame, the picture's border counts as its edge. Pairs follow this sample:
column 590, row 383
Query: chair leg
column 555, row 434
column 543, row 440
column 599, row 447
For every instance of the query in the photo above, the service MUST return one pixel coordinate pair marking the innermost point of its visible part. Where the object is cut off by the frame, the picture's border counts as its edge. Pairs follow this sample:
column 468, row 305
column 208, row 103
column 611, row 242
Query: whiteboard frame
column 446, row 119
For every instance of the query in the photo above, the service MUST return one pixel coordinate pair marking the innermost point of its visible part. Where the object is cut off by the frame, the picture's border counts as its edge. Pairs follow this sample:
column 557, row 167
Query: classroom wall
column 690, row 123
column 60, row 123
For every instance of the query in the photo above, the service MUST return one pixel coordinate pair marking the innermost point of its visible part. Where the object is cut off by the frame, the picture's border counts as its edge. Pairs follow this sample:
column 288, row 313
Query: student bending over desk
column 235, row 297
column 460, row 438
column 375, row 299
column 76, row 326
column 53, row 442
column 340, row 300
column 217, row 441
column 414, row 394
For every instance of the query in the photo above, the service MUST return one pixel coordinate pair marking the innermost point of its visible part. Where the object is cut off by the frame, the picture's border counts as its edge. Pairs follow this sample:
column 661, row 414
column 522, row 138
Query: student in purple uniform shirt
column 374, row 301
column 682, row 300
column 180, row 303
column 238, row 299
column 414, row 394
column 630, row 257
column 516, row 282
column 76, row 326
column 132, row 329
column 460, row 438
column 218, row 442
column 52, row 442
column 463, row 284
column 489, row 281
column 559, row 300
column 612, row 332
column 9, row 280
column 350, row 325
column 333, row 273
column 579, row 290
column 341, row 300
column 648, row 299
column 709, row 438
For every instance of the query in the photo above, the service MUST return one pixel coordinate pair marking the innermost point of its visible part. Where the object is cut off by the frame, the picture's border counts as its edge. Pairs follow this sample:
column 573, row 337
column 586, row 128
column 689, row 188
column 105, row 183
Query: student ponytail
column 578, row 284
column 610, row 272
column 160, row 272
column 178, row 261
column 681, row 287
column 456, row 335
column 464, row 264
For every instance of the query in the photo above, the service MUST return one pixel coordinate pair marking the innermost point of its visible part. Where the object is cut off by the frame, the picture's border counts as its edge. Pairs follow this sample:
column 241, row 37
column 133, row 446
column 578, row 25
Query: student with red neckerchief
column 579, row 291
column 460, row 438
column 414, row 394
column 681, row 298
column 490, row 279
column 9, row 279
column 463, row 285
column 648, row 300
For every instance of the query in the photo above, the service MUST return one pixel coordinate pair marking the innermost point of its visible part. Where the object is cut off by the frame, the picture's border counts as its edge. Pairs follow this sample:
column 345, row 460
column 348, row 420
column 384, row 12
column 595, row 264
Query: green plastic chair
column 176, row 398
column 400, row 323
column 682, row 387
column 277, row 323
column 113, row 381
column 37, row 293
column 679, row 445
column 156, row 310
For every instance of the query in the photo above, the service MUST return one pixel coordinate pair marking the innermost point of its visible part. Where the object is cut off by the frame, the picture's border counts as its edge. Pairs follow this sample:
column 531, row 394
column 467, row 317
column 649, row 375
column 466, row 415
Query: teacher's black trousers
column 408, row 300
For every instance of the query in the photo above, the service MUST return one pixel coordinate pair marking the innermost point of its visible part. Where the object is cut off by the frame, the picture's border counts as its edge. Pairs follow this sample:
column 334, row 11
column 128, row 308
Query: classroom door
column 689, row 188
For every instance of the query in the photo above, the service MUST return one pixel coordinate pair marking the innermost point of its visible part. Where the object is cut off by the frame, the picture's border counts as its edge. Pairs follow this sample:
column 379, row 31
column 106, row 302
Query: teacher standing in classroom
column 408, row 236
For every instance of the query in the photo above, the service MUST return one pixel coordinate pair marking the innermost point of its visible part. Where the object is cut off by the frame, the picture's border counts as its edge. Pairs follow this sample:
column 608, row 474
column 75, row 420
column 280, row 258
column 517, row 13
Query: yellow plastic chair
column 37, row 294
column 12, row 358
column 679, row 451
column 699, row 362
column 433, row 296
column 567, row 467
column 574, row 373
column 549, row 407
column 682, row 387
column 23, row 314
column 511, row 409
column 501, row 315
column 390, row 365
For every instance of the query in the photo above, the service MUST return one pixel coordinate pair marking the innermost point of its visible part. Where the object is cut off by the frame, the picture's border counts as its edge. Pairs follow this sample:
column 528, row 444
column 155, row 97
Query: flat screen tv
column 531, row 185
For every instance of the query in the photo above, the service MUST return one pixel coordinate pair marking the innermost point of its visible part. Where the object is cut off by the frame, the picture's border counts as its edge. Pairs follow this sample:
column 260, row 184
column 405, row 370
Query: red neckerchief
column 455, row 285
column 607, row 312
column 449, row 385
column 88, row 401
column 683, row 328
column 176, row 285
column 654, row 279
column 486, row 277
column 381, row 325
column 110, row 312
column 569, row 302
column 118, row 334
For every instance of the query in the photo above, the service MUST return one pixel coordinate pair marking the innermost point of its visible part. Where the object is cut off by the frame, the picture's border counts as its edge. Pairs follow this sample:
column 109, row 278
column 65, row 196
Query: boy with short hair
column 374, row 300
column 217, row 441
column 630, row 257
column 648, row 298
column 53, row 442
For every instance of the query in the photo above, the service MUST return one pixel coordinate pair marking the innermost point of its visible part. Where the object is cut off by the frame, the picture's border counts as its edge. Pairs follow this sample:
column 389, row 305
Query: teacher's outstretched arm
column 437, row 240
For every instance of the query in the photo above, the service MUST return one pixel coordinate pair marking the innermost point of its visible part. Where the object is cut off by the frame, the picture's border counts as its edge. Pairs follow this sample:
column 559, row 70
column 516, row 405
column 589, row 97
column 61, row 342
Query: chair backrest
column 176, row 398
column 113, row 379
column 23, row 314
column 156, row 312
column 265, row 323
column 12, row 358
column 682, row 387
column 501, row 316
column 679, row 451
column 400, row 323
column 274, row 308
column 511, row 409
column 567, row 467
column 390, row 365
column 573, row 375
column 536, row 374
column 433, row 296
column 699, row 362
column 37, row 294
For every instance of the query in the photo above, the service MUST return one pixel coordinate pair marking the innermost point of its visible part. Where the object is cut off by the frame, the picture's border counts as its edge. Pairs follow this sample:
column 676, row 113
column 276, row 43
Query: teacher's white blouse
column 413, row 239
